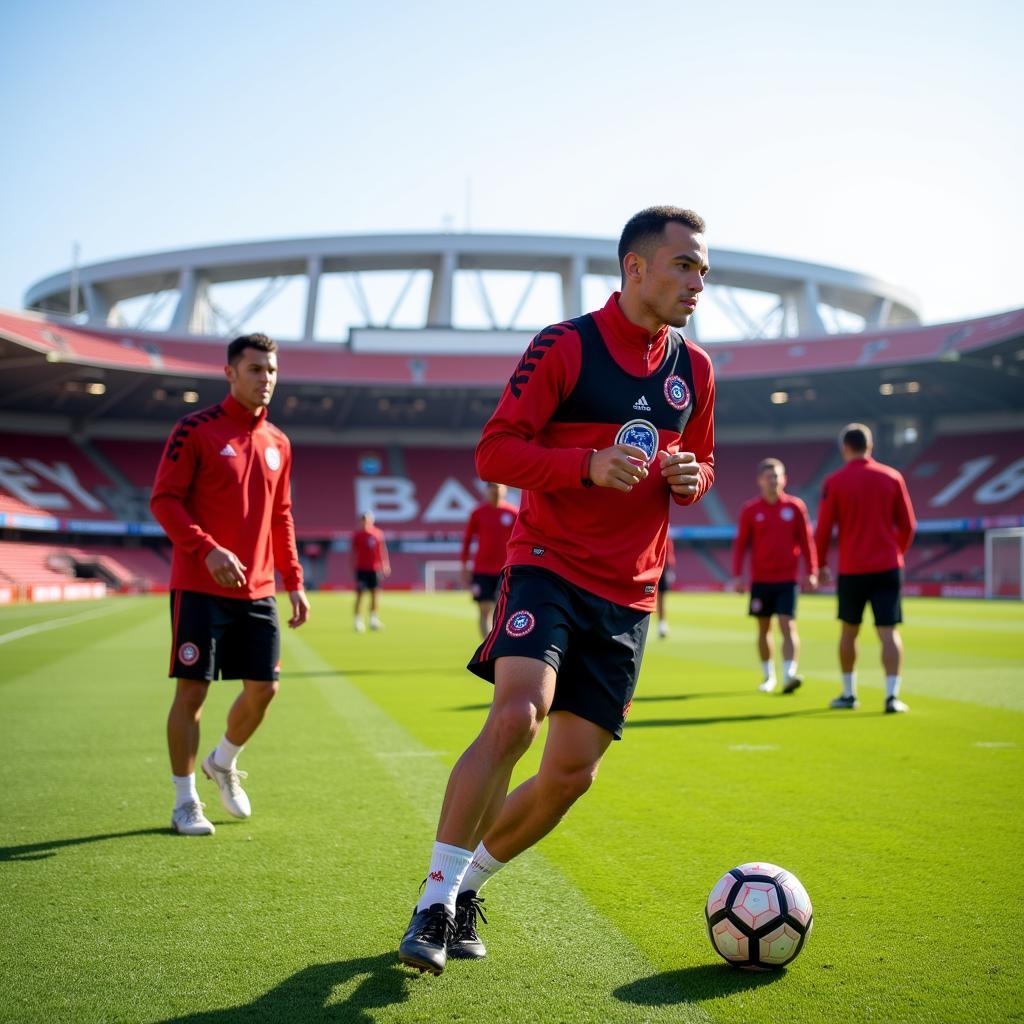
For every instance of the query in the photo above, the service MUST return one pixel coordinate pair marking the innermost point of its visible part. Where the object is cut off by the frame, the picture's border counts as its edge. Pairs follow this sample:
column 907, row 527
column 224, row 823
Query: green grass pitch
column 906, row 830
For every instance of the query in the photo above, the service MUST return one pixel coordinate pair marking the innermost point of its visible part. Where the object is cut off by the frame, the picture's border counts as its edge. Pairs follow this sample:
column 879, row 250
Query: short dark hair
column 648, row 225
column 857, row 437
column 766, row 464
column 260, row 342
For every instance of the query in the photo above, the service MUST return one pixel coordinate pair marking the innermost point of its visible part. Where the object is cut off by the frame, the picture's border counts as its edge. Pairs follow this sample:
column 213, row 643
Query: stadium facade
column 387, row 418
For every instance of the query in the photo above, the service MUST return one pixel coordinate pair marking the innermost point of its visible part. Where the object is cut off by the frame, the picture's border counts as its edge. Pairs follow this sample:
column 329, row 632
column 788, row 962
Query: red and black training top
column 777, row 533
column 869, row 503
column 584, row 385
column 492, row 526
column 224, row 480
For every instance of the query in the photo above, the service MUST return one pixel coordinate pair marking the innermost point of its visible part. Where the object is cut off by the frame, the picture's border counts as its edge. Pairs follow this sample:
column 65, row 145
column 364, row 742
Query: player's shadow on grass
column 43, row 850
column 379, row 982
column 693, row 985
column 653, row 699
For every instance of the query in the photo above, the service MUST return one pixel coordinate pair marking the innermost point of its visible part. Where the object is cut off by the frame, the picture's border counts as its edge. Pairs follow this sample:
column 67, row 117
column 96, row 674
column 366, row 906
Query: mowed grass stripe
column 553, row 956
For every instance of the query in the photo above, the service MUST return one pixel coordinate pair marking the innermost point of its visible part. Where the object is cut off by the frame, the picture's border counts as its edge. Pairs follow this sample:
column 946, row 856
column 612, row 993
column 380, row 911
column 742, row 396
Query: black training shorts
column 484, row 586
column 882, row 589
column 768, row 599
column 366, row 579
column 224, row 637
column 594, row 645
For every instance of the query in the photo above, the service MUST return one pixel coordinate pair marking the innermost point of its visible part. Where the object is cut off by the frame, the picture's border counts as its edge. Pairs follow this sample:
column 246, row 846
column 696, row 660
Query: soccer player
column 223, row 496
column 371, row 561
column 665, row 581
column 775, row 527
column 606, row 419
column 869, row 504
column 491, row 524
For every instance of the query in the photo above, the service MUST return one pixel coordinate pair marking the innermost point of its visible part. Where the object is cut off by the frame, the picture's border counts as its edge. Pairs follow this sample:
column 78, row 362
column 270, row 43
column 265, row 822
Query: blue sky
column 882, row 137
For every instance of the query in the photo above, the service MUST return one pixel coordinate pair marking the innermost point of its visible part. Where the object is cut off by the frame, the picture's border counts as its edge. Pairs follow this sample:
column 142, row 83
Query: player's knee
column 265, row 692
column 514, row 727
column 189, row 698
column 569, row 784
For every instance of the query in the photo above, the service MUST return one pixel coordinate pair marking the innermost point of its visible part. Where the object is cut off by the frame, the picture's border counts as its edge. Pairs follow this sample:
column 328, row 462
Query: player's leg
column 662, row 615
column 766, row 652
column 486, row 609
column 852, row 596
column 523, row 690
column 786, row 609
column 375, row 622
column 357, row 613
column 250, row 649
column 887, row 607
column 196, row 625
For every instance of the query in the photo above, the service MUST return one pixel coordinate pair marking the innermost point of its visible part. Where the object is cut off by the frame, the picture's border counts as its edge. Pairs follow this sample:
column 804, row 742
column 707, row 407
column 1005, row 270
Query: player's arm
column 174, row 476
column 806, row 542
column 286, row 551
column 690, row 472
column 823, row 533
column 508, row 450
column 739, row 549
column 385, row 558
column 906, row 521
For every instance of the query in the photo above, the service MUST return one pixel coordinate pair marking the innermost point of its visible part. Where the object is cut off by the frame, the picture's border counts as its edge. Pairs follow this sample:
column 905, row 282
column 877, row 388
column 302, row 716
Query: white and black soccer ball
column 758, row 916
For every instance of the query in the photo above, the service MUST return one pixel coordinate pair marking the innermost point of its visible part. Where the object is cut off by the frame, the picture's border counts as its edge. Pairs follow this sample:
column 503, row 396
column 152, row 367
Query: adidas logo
column 641, row 404
column 228, row 450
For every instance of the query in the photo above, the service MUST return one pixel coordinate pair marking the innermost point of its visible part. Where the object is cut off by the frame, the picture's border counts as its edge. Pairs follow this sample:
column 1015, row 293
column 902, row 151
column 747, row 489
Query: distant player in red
column 869, row 504
column 665, row 581
column 490, row 524
column 223, row 496
column 607, row 419
column 370, row 562
column 776, row 530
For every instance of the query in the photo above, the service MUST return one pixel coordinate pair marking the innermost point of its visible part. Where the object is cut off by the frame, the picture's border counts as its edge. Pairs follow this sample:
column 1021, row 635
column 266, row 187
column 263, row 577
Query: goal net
column 1004, row 563
column 442, row 575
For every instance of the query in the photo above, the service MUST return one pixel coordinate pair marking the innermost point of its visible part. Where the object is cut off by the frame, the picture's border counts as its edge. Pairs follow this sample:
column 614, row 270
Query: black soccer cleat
column 894, row 706
column 467, row 945
column 792, row 684
column 425, row 944
column 843, row 702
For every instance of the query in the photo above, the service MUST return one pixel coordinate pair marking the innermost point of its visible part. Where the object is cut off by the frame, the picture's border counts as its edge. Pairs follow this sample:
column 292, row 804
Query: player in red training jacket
column 775, row 527
column 869, row 504
column 370, row 561
column 490, row 523
column 607, row 419
column 223, row 496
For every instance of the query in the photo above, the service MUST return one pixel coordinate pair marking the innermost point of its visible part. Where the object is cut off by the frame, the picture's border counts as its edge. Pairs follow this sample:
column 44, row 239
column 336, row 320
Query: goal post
column 442, row 574
column 1004, row 563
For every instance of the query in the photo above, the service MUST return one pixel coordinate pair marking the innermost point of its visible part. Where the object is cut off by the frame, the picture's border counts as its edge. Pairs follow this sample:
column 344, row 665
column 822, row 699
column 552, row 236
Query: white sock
column 226, row 754
column 789, row 669
column 447, row 866
column 849, row 684
column 185, row 789
column 481, row 868
column 892, row 686
column 769, row 670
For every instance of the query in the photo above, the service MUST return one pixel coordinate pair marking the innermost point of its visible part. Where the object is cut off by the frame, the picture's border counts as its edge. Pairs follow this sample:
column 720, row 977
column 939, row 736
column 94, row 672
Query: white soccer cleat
column 359, row 626
column 894, row 706
column 768, row 685
column 232, row 796
column 662, row 630
column 188, row 820
column 375, row 623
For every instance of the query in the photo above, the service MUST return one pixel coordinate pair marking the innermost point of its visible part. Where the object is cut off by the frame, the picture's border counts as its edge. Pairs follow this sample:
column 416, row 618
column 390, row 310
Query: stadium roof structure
column 88, row 375
column 804, row 299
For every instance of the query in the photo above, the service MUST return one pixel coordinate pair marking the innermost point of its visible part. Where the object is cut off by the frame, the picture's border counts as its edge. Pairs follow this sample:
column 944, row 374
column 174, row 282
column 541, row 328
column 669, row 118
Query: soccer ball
column 758, row 917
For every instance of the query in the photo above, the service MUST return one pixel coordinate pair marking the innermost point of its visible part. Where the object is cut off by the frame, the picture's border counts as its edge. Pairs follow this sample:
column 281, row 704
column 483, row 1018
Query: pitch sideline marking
column 42, row 627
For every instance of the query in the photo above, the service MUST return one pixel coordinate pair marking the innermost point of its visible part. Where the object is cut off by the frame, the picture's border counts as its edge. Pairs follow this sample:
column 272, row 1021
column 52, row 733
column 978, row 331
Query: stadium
column 106, row 357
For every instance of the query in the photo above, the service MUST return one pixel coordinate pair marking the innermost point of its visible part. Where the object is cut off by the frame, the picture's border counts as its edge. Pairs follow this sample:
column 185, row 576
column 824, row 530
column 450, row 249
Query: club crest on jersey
column 520, row 624
column 188, row 653
column 786, row 514
column 677, row 394
column 273, row 457
column 641, row 434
